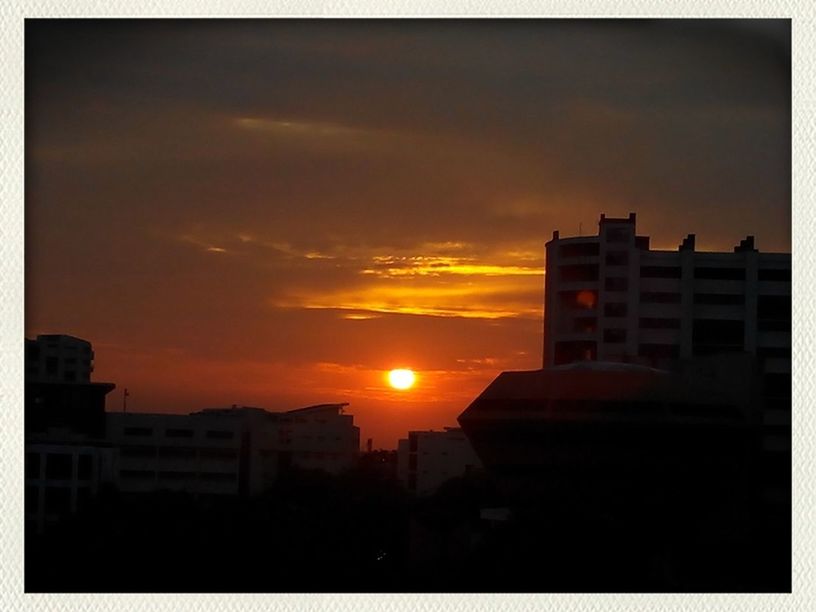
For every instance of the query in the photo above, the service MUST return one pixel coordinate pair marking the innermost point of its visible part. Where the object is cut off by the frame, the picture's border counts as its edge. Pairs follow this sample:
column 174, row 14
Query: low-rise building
column 427, row 459
column 237, row 450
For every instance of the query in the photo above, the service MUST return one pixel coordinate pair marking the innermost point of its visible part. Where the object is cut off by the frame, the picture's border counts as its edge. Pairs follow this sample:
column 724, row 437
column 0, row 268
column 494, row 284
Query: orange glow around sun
column 401, row 379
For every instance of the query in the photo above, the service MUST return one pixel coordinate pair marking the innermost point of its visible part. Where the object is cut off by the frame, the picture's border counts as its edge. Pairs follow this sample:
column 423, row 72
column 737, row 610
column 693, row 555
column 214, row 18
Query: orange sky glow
column 277, row 213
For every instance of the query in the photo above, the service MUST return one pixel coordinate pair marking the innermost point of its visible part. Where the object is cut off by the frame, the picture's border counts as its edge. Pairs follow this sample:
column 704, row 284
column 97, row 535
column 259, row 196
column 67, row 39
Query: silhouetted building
column 63, row 477
column 609, row 297
column 382, row 463
column 67, row 459
column 612, row 422
column 628, row 477
column 426, row 459
column 58, row 358
column 238, row 450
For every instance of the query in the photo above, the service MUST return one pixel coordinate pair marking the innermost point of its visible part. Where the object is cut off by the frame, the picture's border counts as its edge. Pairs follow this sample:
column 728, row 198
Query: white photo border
column 12, row 16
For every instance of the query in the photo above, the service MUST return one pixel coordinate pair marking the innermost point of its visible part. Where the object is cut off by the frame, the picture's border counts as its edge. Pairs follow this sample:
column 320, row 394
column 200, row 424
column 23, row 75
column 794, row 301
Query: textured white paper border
column 12, row 15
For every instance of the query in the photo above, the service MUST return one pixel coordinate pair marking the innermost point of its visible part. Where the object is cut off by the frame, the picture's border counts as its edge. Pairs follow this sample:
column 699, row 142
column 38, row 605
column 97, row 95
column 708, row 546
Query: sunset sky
column 276, row 213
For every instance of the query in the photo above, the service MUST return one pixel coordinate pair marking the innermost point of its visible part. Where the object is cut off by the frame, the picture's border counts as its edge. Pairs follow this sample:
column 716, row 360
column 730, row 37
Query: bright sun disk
column 401, row 379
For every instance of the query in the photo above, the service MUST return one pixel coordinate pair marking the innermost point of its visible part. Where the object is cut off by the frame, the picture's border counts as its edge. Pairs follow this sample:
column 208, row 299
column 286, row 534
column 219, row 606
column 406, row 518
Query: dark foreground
column 362, row 533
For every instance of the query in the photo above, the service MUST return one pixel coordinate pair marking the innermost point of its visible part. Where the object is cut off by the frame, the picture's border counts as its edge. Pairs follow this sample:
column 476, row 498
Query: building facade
column 58, row 358
column 229, row 451
column 427, row 459
column 67, row 460
column 611, row 298
column 62, row 477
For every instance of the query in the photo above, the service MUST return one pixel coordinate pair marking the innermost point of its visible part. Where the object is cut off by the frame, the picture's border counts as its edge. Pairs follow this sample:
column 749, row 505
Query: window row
column 58, row 466
column 213, row 434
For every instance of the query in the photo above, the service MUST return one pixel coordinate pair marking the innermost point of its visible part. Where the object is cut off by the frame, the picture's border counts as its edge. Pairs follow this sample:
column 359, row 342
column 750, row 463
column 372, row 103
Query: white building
column 236, row 450
column 609, row 297
column 58, row 358
column 426, row 459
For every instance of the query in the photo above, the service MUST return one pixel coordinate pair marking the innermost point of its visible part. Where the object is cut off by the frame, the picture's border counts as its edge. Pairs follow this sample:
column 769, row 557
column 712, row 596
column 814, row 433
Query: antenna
column 580, row 229
column 124, row 401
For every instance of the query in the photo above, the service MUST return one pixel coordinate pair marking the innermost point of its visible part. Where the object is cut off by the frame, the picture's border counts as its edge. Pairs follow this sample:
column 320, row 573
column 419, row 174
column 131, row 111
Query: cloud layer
column 270, row 211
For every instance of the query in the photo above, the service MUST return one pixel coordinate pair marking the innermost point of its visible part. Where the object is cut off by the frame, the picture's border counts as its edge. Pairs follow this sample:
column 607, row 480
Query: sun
column 401, row 379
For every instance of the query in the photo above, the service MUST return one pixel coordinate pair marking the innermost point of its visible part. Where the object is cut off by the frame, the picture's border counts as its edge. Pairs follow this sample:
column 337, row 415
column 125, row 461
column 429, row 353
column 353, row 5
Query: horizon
column 205, row 201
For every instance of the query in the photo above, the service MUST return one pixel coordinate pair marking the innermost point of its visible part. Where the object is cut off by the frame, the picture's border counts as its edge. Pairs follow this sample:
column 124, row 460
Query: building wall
column 62, row 478
column 176, row 452
column 610, row 298
column 427, row 459
column 58, row 358
column 229, row 451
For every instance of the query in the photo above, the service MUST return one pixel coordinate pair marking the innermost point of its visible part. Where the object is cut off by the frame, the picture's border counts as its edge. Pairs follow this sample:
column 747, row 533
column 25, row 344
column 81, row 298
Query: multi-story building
column 426, row 459
column 62, row 477
column 58, row 358
column 67, row 460
column 611, row 298
column 657, row 474
column 238, row 450
column 74, row 447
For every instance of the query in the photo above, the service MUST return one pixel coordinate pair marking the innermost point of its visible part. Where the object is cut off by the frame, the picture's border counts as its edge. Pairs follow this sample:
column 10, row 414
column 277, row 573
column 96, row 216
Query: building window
column 578, row 300
column 179, row 433
column 780, row 275
column 83, row 497
column 224, row 454
column 32, row 500
column 51, row 365
column 717, row 335
column 585, row 324
column 775, row 307
column 84, row 467
column 137, row 474
column 175, row 475
column 216, row 477
column 569, row 352
column 711, row 273
column 59, row 466
column 615, row 309
column 720, row 299
column 660, row 271
column 766, row 325
column 176, row 452
column 657, row 297
column 220, row 434
column 585, row 249
column 618, row 234
column 579, row 273
column 138, row 431
column 138, row 451
column 617, row 258
column 655, row 323
column 778, row 385
column 57, row 500
column 70, row 376
column 614, row 336
column 657, row 352
column 773, row 352
column 32, row 465
column 616, row 283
